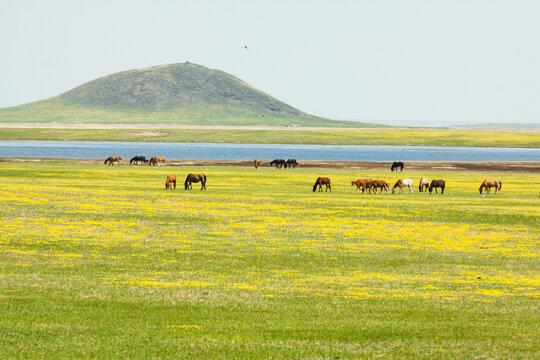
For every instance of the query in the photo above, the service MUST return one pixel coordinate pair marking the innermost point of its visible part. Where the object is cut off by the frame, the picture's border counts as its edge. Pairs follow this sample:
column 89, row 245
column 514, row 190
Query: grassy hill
column 179, row 93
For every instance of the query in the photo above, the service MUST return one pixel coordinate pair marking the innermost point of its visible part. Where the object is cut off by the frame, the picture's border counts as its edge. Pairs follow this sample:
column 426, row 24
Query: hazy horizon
column 418, row 63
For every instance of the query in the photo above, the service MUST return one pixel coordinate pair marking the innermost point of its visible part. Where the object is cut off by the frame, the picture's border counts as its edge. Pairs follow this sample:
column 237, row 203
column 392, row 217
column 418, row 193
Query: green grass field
column 102, row 262
column 431, row 137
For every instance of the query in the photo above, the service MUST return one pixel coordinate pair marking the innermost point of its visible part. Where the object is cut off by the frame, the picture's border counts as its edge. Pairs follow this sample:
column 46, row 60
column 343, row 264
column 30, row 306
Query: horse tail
column 500, row 185
column 204, row 177
column 315, row 186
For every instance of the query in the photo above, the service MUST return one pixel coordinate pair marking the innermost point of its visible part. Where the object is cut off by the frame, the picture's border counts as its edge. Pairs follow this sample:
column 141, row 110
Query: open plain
column 103, row 262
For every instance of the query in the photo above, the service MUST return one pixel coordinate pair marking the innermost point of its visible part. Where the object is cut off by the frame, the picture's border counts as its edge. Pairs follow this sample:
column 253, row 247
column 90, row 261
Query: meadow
column 103, row 262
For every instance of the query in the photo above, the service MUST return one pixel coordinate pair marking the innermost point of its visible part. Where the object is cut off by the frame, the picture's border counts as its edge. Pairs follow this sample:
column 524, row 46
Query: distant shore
column 499, row 166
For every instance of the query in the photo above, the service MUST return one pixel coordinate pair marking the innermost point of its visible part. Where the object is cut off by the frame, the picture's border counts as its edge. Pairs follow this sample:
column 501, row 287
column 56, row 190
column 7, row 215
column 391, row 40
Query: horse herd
column 367, row 185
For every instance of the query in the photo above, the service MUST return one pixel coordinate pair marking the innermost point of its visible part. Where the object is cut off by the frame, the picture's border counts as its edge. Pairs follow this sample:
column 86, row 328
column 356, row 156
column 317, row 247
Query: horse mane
column 316, row 183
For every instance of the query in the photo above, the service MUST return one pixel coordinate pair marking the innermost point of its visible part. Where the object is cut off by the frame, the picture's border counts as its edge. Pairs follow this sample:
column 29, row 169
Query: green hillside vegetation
column 179, row 94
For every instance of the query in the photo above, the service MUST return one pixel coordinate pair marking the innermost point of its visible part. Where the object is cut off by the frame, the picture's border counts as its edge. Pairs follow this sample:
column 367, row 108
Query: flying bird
column 245, row 47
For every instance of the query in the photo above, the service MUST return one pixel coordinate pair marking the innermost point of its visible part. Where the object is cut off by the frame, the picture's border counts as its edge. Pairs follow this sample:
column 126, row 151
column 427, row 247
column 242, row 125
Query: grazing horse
column 320, row 182
column 171, row 181
column 376, row 184
column 257, row 163
column 279, row 163
column 396, row 165
column 437, row 184
column 292, row 163
column 195, row 178
column 488, row 184
column 138, row 160
column 424, row 184
column 360, row 184
column 401, row 183
column 113, row 159
column 155, row 160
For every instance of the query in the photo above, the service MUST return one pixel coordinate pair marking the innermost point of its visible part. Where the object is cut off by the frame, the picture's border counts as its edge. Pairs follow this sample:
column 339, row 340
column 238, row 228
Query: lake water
column 198, row 151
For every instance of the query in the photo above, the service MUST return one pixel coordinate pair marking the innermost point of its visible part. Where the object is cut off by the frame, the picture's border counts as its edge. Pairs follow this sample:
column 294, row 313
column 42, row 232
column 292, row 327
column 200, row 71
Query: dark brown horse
column 437, row 184
column 113, row 159
column 195, row 178
column 257, row 163
column 488, row 184
column 322, row 181
column 171, row 181
column 376, row 184
column 360, row 184
column 155, row 160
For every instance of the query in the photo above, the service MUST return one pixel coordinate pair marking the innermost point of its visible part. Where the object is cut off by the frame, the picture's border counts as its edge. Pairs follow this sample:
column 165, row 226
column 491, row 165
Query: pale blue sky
column 414, row 62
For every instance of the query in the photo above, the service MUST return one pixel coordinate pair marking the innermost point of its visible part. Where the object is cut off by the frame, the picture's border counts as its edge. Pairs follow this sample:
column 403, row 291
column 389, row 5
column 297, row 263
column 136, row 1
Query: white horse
column 424, row 184
column 403, row 182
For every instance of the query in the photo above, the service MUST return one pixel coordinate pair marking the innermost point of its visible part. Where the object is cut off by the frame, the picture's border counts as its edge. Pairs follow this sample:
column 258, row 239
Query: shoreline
column 504, row 166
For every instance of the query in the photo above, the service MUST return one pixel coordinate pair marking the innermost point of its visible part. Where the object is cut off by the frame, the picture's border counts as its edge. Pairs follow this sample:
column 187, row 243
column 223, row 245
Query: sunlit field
column 103, row 262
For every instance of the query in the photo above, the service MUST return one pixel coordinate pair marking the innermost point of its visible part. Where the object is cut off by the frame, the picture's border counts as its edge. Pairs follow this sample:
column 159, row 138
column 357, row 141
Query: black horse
column 138, row 160
column 279, row 163
column 437, row 184
column 292, row 163
column 396, row 165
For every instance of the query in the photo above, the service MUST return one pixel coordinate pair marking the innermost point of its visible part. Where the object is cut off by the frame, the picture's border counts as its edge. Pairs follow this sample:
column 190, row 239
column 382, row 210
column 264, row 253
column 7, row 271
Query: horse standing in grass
column 401, row 183
column 488, row 184
column 423, row 184
column 138, row 160
column 257, row 163
column 437, row 184
column 292, row 163
column 396, row 165
column 195, row 178
column 171, row 181
column 278, row 163
column 155, row 160
column 360, row 184
column 377, row 184
column 320, row 182
column 113, row 159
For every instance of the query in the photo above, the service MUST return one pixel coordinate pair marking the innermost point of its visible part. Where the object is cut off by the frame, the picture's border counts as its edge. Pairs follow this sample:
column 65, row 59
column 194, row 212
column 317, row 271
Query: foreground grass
column 426, row 137
column 102, row 262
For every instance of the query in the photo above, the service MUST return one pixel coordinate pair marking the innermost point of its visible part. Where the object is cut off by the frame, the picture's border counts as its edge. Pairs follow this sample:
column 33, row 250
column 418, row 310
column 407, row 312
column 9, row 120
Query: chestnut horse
column 424, row 184
column 155, row 160
column 401, row 183
column 322, row 181
column 376, row 184
column 171, row 181
column 195, row 178
column 437, row 184
column 360, row 184
column 113, row 159
column 257, row 163
column 488, row 184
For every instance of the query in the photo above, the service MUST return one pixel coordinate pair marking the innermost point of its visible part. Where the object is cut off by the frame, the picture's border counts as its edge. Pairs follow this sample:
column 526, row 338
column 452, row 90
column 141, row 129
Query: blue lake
column 204, row 151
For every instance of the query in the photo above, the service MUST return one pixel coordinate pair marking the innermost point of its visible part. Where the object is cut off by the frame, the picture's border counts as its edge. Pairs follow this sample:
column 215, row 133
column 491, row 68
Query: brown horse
column 113, row 159
column 195, row 178
column 488, row 184
column 322, row 181
column 155, row 160
column 171, row 181
column 257, row 163
column 360, row 184
column 437, row 184
column 423, row 184
column 377, row 184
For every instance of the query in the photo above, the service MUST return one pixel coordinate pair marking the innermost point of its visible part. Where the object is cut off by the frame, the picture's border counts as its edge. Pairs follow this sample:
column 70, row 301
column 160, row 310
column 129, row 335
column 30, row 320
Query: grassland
column 102, row 262
column 427, row 137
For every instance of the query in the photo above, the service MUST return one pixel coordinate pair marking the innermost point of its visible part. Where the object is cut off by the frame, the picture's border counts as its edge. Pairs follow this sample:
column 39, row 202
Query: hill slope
column 179, row 93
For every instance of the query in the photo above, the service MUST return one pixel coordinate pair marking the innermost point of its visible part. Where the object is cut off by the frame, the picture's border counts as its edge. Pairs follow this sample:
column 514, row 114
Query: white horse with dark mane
column 401, row 183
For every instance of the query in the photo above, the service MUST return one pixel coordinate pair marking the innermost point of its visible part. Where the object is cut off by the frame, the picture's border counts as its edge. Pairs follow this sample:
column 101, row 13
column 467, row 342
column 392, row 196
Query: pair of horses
column 279, row 163
column 156, row 160
column 425, row 185
column 366, row 185
column 112, row 160
column 191, row 178
column 488, row 184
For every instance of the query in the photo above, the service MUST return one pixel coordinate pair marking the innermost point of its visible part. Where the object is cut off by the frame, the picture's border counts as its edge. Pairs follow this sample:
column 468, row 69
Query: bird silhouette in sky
column 245, row 47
